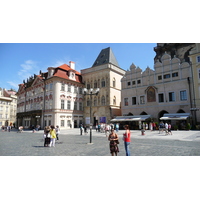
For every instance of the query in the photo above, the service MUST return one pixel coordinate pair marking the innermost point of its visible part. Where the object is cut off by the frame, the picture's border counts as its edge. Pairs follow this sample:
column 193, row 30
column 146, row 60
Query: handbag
column 117, row 141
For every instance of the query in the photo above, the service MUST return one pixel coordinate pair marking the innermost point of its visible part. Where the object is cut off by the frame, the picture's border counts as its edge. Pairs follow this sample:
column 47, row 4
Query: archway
column 180, row 111
column 161, row 113
column 143, row 113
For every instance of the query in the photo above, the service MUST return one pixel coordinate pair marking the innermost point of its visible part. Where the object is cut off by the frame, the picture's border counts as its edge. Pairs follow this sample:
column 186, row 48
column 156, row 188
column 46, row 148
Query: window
column 166, row 76
column 142, row 100
column 138, row 81
column 75, row 90
column 62, row 123
column 80, row 91
column 175, row 74
column 68, row 123
column 114, row 82
column 103, row 101
column 80, row 106
column 199, row 73
column 125, row 101
column 161, row 98
column 171, row 96
column 183, row 95
column 133, row 100
column 129, row 83
column 62, row 87
column 160, row 77
column 69, row 88
column 114, row 100
column 75, row 105
column 51, row 86
column 88, row 86
column 68, row 105
column 103, row 83
column 62, row 104
column 95, row 84
column 198, row 59
column 133, row 82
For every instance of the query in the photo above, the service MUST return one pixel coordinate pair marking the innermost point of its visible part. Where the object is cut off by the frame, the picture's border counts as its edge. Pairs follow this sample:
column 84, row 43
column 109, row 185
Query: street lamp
column 91, row 92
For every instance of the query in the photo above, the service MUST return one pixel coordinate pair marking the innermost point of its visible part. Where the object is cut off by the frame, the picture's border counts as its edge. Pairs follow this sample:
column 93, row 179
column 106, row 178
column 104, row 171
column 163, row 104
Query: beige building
column 52, row 98
column 195, row 62
column 166, row 89
column 8, row 107
column 106, row 75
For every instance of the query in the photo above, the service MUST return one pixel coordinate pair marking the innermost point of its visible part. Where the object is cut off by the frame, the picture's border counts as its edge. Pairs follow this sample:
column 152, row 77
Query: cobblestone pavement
column 71, row 143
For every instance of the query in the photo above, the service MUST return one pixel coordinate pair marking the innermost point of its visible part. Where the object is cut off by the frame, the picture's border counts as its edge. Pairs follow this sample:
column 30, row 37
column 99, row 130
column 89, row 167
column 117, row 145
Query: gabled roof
column 106, row 56
column 68, row 68
column 62, row 72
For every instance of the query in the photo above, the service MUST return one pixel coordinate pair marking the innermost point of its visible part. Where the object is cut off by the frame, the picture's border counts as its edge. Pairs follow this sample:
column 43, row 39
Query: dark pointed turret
column 106, row 56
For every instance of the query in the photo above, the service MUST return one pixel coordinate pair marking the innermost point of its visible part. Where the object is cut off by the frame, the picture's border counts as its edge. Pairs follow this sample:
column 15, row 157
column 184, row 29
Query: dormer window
column 72, row 75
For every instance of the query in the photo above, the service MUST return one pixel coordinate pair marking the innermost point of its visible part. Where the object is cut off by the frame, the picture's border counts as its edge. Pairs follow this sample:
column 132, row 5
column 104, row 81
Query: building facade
column 195, row 62
column 51, row 98
column 106, row 75
column 8, row 107
column 166, row 89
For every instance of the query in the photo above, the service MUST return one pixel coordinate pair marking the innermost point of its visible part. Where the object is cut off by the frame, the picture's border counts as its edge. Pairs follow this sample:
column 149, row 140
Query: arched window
column 114, row 100
column 114, row 82
column 103, row 83
column 103, row 101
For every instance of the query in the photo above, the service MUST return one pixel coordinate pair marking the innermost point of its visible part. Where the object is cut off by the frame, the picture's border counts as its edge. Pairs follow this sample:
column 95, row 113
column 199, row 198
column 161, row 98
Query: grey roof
column 106, row 56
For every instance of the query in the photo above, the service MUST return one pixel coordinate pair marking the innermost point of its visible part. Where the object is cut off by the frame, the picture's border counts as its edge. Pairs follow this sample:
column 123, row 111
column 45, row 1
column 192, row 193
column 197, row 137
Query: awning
column 175, row 116
column 131, row 118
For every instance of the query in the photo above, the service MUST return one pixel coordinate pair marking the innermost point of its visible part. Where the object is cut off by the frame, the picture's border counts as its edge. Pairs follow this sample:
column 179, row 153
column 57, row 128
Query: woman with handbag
column 127, row 139
column 114, row 141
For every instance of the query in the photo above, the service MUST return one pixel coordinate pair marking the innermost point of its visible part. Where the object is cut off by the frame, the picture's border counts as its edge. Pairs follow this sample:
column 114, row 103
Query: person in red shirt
column 127, row 139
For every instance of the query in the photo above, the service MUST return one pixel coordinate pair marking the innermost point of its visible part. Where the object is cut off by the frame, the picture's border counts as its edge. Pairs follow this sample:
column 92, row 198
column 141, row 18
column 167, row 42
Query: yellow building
column 106, row 75
column 195, row 62
column 8, row 107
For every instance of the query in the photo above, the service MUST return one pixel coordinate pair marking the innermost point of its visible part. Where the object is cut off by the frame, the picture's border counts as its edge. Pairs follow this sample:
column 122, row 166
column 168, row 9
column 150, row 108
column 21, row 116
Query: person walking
column 53, row 136
column 127, row 139
column 117, row 127
column 114, row 140
column 166, row 129
column 57, row 132
column 169, row 129
column 47, row 137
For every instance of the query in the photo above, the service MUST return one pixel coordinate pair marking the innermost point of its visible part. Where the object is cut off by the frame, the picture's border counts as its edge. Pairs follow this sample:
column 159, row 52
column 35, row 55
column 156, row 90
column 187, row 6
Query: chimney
column 72, row 65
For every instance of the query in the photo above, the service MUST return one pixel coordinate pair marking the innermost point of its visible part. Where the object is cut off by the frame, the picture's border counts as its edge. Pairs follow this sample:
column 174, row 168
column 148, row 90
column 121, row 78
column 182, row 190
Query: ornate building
column 8, row 107
column 105, row 74
column 51, row 98
column 166, row 89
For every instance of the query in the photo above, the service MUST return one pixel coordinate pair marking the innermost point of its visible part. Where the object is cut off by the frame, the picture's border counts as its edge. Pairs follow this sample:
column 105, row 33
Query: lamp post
column 91, row 92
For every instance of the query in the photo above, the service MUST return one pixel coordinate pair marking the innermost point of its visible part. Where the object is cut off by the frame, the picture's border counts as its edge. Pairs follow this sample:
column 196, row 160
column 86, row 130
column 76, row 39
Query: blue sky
column 21, row 60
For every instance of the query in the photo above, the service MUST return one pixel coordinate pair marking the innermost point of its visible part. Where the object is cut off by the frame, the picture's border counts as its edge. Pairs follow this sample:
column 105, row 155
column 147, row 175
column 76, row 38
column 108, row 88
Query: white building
column 8, row 107
column 52, row 98
column 166, row 89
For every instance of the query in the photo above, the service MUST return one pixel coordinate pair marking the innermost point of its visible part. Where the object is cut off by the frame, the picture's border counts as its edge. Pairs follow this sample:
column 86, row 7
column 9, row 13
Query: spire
column 106, row 56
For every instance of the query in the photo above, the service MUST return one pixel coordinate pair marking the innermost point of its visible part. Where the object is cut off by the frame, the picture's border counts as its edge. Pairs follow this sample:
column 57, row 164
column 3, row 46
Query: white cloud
column 29, row 68
column 13, row 84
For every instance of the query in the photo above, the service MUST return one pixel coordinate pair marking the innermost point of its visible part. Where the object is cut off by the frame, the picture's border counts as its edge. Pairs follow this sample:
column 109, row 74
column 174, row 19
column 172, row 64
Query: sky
column 19, row 61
